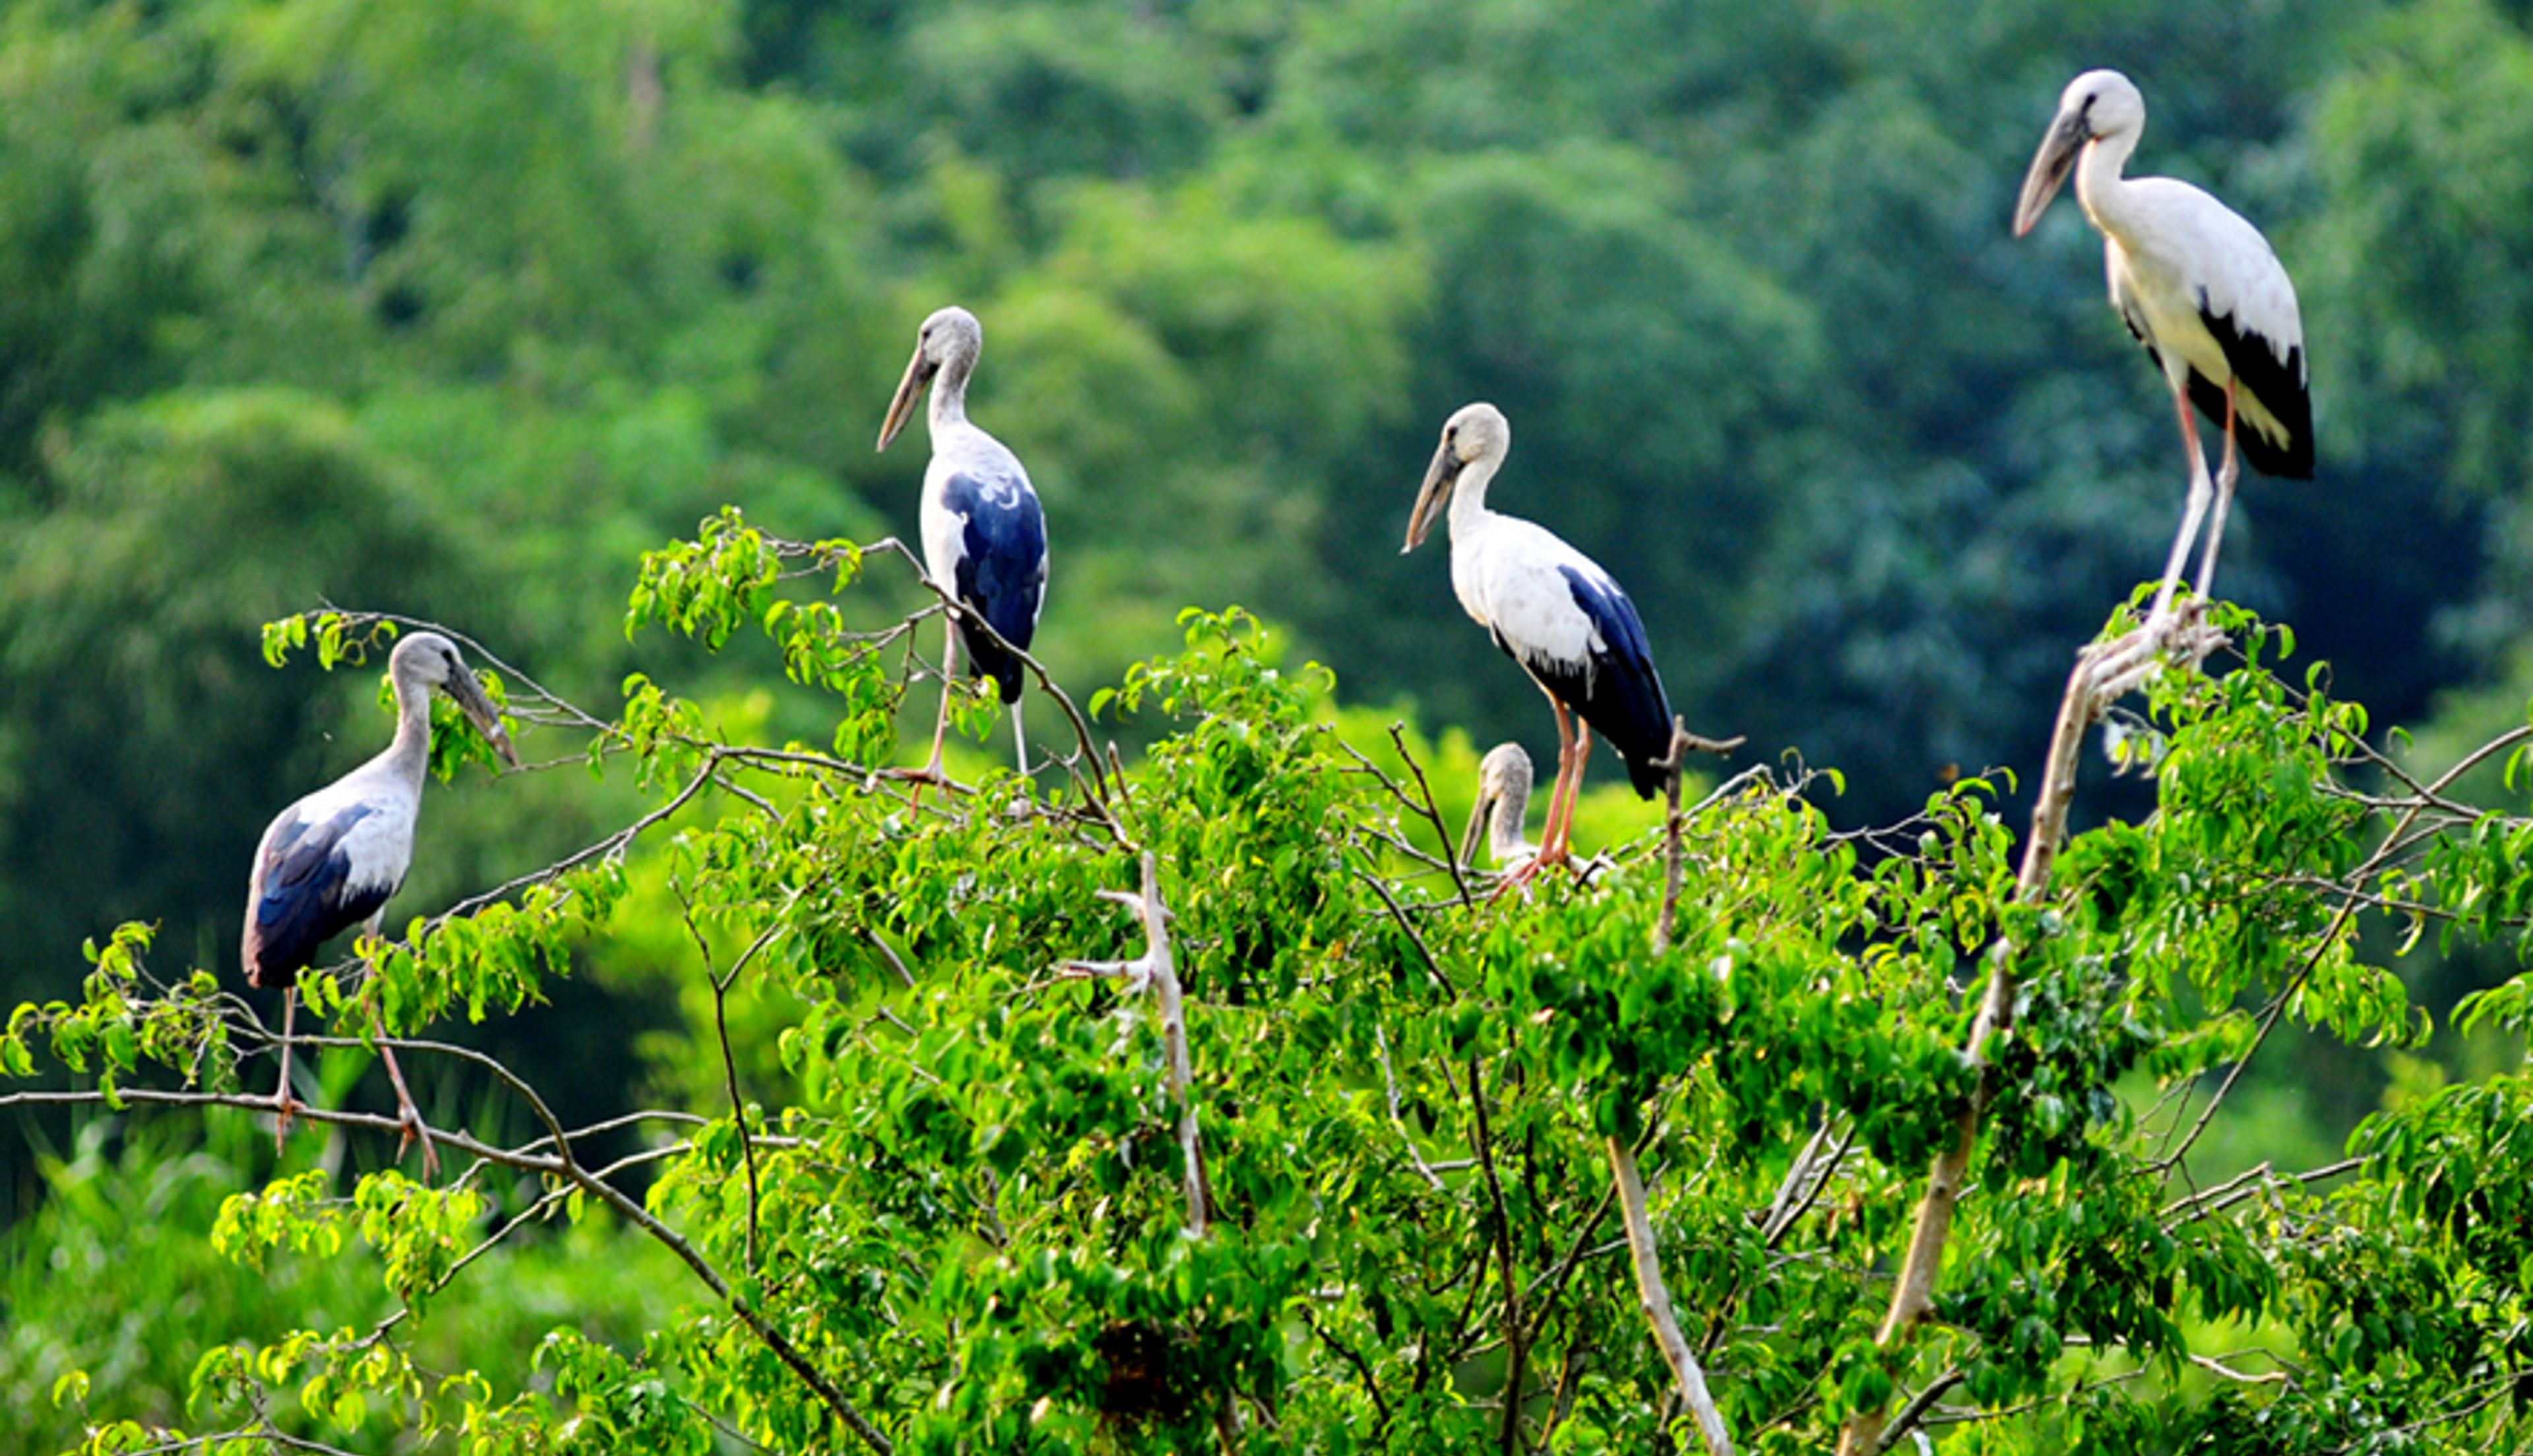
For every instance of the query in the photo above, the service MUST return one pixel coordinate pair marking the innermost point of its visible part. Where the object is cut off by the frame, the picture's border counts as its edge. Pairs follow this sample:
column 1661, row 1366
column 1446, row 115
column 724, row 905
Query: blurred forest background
column 453, row 309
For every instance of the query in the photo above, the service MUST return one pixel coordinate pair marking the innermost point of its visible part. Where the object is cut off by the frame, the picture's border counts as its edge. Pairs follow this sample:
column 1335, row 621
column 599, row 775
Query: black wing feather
column 1002, row 573
column 1618, row 692
column 307, row 898
column 2277, row 384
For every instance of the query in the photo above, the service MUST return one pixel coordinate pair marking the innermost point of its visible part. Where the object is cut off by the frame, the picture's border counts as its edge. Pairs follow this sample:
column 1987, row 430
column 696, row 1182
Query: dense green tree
column 1315, row 1146
column 451, row 308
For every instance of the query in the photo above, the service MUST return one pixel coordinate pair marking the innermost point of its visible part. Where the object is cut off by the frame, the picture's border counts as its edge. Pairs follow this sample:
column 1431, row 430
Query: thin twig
column 1516, row 1346
column 1432, row 968
column 729, row 1063
column 1433, row 815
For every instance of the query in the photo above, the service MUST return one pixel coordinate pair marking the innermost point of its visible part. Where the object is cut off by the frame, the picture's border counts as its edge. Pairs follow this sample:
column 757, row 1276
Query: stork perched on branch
column 985, row 535
column 1554, row 613
column 2200, row 287
column 332, row 861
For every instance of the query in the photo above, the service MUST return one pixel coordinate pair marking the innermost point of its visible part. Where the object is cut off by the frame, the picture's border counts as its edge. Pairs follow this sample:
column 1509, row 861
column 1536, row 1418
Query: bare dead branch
column 1912, row 1291
column 1655, row 1298
column 1155, row 972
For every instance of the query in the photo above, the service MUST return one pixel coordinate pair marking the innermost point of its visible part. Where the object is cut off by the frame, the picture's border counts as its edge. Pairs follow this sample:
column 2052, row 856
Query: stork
column 331, row 861
column 1554, row 613
column 2200, row 287
column 985, row 536
column 1504, row 803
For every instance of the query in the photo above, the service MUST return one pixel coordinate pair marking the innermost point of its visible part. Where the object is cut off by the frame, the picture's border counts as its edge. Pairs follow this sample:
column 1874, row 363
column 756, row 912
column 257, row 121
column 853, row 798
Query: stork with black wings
column 985, row 535
column 2200, row 287
column 1554, row 613
column 332, row 861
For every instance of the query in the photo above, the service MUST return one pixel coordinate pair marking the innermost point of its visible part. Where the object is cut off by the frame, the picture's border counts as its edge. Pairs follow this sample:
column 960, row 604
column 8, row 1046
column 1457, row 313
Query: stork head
column 1504, row 778
column 951, row 339
column 1479, row 431
column 427, row 659
column 2096, row 105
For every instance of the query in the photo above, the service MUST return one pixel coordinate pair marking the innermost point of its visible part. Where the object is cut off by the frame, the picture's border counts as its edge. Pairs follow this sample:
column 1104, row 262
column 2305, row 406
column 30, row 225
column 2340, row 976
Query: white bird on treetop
column 985, row 535
column 2200, row 287
column 1554, row 612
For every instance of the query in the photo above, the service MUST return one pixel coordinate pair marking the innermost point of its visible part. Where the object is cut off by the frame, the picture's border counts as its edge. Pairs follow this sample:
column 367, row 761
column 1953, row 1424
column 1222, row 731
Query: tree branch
column 561, row 1165
column 1652, row 1293
column 1517, row 1345
column 1096, row 787
column 1655, row 1298
column 1912, row 1291
column 1155, row 972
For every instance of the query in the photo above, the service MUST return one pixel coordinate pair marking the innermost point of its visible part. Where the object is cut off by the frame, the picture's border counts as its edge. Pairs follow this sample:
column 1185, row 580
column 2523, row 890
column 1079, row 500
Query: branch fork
column 1155, row 973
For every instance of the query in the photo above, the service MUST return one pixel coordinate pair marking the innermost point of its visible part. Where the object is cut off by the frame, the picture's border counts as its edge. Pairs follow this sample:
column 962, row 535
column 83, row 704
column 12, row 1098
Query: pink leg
column 1573, row 793
column 1549, row 852
column 1560, row 805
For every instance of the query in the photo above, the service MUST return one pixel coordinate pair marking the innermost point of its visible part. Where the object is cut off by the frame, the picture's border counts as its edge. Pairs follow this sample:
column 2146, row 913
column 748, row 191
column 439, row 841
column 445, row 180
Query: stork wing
column 303, row 894
column 1001, row 566
column 2270, row 381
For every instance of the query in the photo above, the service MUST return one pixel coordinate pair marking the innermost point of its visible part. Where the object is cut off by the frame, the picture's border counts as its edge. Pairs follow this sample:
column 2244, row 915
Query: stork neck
column 950, row 391
column 1469, row 497
column 1505, row 833
column 2101, row 187
column 410, row 754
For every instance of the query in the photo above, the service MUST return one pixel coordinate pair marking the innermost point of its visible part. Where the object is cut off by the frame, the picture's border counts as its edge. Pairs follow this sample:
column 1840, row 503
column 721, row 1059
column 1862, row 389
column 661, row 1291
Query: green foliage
column 457, row 307
column 129, row 1247
column 950, row 1192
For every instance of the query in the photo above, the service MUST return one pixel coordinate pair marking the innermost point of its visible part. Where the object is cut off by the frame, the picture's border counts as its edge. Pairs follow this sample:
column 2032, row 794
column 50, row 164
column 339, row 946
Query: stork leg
column 410, row 1115
column 283, row 1104
column 1561, row 800
column 931, row 771
column 1549, row 849
column 2226, row 475
column 1573, row 793
column 1019, row 740
column 949, row 688
column 2201, row 489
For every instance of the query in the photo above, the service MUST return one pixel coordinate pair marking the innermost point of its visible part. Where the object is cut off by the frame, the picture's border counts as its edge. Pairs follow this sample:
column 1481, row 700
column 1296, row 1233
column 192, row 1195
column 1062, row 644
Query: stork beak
column 2050, row 168
column 479, row 710
column 918, row 374
column 1476, row 834
column 1436, row 488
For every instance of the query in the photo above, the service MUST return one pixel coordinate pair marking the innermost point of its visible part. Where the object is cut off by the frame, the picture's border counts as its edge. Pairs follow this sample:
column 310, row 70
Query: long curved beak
column 2050, row 168
column 479, row 710
column 918, row 374
column 1476, row 834
column 1438, row 478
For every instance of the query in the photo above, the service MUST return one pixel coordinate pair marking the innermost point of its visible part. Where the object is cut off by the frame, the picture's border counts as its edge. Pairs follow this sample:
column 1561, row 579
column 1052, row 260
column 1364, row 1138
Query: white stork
column 985, row 536
column 1504, row 803
column 2198, row 287
column 1554, row 613
column 331, row 861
